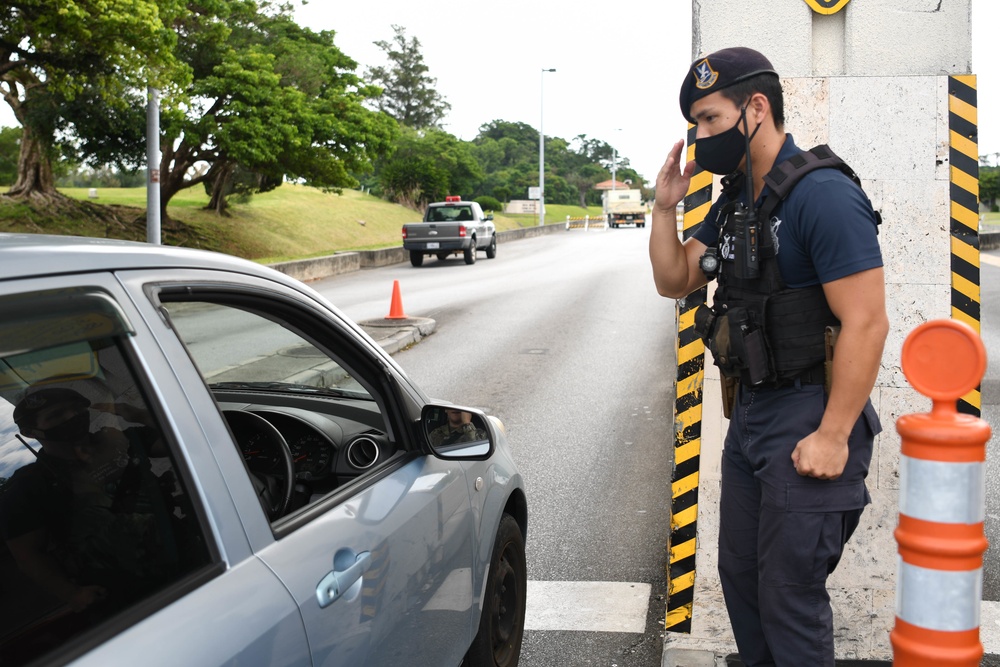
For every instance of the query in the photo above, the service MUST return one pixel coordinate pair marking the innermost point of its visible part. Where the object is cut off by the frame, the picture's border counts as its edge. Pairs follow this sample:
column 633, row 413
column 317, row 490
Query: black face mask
column 721, row 154
column 72, row 430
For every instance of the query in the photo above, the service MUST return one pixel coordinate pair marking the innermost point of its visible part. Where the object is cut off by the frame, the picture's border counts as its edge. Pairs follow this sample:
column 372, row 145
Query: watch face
column 709, row 263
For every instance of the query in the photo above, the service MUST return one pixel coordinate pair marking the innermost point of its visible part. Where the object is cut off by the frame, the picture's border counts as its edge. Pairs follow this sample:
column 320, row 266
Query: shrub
column 489, row 203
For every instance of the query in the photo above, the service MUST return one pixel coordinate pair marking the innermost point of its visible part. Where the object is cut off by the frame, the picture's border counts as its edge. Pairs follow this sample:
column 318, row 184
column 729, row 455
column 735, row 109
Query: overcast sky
column 488, row 64
column 487, row 59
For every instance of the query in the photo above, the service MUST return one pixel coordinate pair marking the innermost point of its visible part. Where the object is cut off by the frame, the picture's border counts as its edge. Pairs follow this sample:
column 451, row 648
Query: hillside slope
column 291, row 222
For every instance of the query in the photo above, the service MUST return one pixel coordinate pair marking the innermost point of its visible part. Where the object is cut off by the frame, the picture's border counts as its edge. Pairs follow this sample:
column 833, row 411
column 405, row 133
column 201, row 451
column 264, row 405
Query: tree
column 989, row 186
column 10, row 141
column 408, row 91
column 103, row 48
column 426, row 166
column 584, row 179
column 269, row 99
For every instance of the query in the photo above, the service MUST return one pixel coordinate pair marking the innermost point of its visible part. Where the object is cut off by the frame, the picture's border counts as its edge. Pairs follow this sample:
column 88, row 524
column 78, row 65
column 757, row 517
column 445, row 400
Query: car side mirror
column 456, row 433
column 489, row 216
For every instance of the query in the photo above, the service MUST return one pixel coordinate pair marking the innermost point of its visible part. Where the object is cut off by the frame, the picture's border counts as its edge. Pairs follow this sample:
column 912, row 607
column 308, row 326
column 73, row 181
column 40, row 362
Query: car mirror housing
column 456, row 433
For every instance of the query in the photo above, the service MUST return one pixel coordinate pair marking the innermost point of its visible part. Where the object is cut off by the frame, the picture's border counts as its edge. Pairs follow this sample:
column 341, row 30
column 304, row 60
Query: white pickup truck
column 449, row 227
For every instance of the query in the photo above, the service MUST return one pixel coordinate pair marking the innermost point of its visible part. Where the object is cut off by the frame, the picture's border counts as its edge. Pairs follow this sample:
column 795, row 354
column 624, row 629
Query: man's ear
column 759, row 107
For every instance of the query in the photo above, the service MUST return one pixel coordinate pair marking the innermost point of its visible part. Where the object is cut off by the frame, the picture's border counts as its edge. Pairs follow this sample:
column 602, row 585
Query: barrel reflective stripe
column 942, row 492
column 937, row 599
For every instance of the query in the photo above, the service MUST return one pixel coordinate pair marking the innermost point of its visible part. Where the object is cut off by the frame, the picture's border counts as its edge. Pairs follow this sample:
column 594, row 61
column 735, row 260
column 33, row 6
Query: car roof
column 27, row 255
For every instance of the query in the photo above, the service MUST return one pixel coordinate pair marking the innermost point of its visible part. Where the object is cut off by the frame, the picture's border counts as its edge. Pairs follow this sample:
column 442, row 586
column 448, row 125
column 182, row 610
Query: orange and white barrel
column 941, row 503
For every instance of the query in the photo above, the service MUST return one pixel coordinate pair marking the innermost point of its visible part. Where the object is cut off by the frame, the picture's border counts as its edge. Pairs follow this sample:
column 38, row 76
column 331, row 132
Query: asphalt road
column 565, row 339
column 990, row 388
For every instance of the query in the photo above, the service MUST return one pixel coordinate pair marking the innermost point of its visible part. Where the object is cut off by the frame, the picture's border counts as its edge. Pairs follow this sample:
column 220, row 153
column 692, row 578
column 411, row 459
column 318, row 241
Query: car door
column 375, row 550
column 120, row 539
column 482, row 225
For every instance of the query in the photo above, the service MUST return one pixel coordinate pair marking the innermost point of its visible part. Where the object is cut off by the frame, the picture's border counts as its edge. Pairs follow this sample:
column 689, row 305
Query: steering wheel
column 268, row 460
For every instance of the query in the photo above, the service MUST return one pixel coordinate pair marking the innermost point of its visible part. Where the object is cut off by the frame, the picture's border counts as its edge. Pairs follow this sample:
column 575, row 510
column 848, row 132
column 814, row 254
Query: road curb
column 394, row 335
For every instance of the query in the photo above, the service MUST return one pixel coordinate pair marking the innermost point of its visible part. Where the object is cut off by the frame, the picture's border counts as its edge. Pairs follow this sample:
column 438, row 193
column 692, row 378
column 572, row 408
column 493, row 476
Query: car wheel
column 491, row 249
column 470, row 252
column 501, row 628
column 442, row 256
column 416, row 258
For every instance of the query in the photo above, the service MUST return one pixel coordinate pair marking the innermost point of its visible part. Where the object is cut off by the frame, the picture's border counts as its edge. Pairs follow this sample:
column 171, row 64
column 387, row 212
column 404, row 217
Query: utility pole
column 541, row 150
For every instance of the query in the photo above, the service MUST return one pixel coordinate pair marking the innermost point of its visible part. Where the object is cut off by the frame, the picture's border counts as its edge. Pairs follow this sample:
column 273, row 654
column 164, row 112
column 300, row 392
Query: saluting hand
column 672, row 182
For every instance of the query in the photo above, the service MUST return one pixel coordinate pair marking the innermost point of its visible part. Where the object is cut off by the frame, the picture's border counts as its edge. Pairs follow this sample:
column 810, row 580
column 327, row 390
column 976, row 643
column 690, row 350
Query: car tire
column 416, row 257
column 491, row 249
column 470, row 252
column 501, row 627
column 442, row 256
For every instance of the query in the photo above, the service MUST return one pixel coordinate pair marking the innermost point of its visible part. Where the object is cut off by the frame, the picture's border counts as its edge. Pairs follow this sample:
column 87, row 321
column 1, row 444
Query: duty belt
column 814, row 375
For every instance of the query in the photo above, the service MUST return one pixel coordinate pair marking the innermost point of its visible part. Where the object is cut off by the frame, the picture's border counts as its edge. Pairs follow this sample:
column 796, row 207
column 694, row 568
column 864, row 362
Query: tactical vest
column 758, row 329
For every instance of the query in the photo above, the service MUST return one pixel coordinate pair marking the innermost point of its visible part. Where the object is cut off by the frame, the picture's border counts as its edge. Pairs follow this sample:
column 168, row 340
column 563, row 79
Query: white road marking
column 989, row 626
column 587, row 606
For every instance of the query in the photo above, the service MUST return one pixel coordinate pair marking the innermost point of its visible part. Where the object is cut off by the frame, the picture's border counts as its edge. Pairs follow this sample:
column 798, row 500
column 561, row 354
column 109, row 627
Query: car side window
column 306, row 423
column 95, row 514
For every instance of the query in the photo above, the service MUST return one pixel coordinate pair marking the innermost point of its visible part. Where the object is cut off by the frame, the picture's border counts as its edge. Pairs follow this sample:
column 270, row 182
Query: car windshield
column 234, row 348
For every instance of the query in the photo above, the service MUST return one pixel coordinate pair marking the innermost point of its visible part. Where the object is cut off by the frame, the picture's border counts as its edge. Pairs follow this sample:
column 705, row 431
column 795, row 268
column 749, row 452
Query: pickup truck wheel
column 416, row 257
column 491, row 249
column 470, row 252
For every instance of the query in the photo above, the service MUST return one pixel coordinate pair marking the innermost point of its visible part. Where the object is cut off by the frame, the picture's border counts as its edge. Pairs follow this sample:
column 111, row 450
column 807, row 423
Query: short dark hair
column 768, row 85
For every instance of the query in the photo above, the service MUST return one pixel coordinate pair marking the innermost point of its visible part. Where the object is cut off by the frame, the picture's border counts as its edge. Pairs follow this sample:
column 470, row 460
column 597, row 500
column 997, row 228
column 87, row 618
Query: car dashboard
column 331, row 441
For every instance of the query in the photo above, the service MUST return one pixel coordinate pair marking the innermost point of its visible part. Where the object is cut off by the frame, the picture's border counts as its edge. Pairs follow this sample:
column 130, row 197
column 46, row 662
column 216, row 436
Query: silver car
column 202, row 462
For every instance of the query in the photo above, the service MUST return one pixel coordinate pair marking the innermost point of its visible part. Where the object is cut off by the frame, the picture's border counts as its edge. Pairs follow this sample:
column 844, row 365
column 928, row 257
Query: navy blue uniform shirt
column 823, row 231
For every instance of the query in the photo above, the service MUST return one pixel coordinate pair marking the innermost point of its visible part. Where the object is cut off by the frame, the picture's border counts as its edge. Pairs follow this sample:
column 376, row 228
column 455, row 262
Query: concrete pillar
column 872, row 81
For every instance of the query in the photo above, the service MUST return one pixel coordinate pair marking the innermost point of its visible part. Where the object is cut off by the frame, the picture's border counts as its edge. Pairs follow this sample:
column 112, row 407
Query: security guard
column 796, row 454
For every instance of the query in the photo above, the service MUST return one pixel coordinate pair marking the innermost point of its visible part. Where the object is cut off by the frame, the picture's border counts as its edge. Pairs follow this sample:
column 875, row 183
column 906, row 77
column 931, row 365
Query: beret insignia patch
column 705, row 76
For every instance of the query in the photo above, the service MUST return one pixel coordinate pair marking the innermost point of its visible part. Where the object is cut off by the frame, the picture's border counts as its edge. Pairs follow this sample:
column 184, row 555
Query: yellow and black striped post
column 682, row 541
column 963, row 126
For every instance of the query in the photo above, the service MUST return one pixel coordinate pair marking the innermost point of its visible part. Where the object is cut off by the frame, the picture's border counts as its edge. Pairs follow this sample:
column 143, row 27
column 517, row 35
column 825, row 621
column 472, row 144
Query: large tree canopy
column 54, row 51
column 269, row 99
column 408, row 93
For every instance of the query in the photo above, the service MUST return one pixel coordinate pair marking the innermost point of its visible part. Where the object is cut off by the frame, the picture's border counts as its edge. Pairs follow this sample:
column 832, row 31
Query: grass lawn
column 290, row 222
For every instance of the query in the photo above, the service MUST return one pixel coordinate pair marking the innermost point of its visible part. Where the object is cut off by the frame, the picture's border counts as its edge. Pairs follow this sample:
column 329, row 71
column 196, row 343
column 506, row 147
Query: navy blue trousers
column 782, row 535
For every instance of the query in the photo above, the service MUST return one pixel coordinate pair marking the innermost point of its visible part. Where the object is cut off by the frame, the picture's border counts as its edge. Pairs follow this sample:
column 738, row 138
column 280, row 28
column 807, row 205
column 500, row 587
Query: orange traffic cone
column 396, row 307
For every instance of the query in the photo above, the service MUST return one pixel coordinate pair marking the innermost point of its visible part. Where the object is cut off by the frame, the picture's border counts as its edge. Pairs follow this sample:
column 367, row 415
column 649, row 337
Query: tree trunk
column 220, row 188
column 34, row 170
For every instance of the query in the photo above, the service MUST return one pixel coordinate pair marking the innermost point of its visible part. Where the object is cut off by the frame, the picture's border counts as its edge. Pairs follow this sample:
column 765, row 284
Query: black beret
column 37, row 399
column 720, row 70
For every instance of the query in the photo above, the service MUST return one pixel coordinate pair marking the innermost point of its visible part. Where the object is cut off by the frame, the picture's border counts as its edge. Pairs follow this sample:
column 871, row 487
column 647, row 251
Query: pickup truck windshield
column 449, row 213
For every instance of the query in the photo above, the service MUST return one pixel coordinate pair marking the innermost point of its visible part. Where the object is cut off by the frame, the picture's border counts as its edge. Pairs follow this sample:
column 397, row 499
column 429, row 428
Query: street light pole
column 541, row 149
column 614, row 164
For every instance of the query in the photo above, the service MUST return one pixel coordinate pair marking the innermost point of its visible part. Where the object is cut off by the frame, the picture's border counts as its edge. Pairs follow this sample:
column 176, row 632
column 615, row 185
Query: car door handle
column 336, row 582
